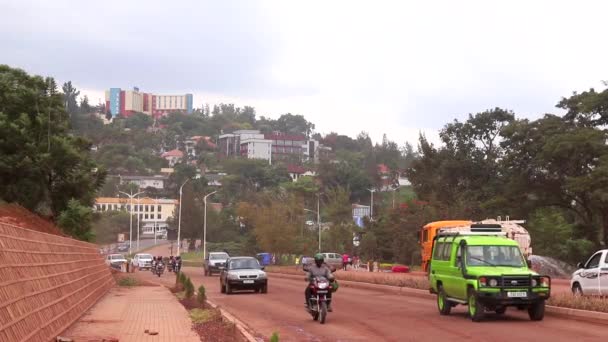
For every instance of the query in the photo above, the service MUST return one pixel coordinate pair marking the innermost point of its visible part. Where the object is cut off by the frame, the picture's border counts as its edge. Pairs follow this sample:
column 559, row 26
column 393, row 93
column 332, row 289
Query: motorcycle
column 177, row 266
column 171, row 266
column 318, row 301
column 159, row 268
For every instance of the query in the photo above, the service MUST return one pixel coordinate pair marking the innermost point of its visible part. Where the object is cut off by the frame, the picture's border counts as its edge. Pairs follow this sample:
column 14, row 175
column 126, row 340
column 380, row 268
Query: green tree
column 108, row 224
column 76, row 221
column 70, row 98
column 139, row 121
column 42, row 166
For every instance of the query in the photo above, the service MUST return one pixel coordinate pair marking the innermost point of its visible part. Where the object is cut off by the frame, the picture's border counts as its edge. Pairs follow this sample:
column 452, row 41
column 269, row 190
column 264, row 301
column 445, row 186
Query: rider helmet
column 319, row 259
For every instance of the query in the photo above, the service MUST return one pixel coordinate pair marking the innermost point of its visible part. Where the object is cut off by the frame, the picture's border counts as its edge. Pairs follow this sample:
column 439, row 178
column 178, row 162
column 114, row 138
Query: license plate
column 517, row 294
column 248, row 281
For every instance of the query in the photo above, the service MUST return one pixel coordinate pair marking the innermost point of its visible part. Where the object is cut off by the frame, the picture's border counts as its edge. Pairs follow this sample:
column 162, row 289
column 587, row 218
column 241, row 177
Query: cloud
column 392, row 67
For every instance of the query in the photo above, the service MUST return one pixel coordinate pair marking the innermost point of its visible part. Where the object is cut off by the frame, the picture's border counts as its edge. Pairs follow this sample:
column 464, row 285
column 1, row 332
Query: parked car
column 214, row 262
column 142, row 261
column 334, row 260
column 243, row 273
column 115, row 260
column 591, row 278
column 123, row 247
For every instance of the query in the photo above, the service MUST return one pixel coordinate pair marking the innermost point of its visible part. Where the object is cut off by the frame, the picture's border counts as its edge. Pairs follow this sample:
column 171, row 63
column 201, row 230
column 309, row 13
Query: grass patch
column 202, row 315
column 566, row 300
column 127, row 281
column 190, row 263
column 192, row 256
column 180, row 295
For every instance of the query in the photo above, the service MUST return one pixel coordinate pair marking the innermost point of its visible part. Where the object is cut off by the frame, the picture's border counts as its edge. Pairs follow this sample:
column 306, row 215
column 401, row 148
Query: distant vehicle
column 591, row 278
column 142, row 261
column 265, row 259
column 243, row 273
column 334, row 260
column 214, row 262
column 115, row 260
column 123, row 247
column 512, row 229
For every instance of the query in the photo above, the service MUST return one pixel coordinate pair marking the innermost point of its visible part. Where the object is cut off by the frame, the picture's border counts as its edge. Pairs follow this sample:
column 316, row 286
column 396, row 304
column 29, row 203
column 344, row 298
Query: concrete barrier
column 46, row 283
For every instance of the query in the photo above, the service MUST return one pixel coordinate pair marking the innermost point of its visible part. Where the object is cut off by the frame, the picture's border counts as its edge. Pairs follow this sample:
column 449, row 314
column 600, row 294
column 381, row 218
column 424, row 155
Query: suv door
column 603, row 275
column 590, row 280
column 455, row 284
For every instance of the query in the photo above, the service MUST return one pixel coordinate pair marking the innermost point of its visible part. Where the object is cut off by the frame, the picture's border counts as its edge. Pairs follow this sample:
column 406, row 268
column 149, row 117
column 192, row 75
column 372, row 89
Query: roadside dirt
column 19, row 216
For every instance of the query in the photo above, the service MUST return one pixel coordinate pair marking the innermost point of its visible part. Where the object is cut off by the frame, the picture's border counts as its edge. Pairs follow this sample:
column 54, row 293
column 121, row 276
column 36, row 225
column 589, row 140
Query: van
column 485, row 270
column 334, row 260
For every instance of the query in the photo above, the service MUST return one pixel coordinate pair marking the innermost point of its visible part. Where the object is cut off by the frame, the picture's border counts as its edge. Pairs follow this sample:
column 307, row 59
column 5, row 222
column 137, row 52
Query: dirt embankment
column 17, row 215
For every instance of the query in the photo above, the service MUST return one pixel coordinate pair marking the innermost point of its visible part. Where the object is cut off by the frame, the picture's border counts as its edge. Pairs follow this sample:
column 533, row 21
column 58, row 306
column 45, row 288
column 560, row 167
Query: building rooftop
column 291, row 168
column 159, row 177
column 126, row 200
column 173, row 153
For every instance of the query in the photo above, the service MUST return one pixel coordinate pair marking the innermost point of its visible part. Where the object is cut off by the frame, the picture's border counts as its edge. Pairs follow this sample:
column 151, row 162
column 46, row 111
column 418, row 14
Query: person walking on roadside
column 344, row 261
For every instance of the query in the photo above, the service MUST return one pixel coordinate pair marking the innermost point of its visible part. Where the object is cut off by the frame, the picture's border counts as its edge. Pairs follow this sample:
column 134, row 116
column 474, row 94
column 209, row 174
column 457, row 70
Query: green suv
column 485, row 270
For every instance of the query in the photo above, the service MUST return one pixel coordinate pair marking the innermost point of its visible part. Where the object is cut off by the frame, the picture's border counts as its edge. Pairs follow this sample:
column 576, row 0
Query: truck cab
column 485, row 270
column 591, row 277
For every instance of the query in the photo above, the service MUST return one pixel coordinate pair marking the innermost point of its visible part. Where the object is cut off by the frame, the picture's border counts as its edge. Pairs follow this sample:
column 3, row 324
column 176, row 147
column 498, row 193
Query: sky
column 399, row 68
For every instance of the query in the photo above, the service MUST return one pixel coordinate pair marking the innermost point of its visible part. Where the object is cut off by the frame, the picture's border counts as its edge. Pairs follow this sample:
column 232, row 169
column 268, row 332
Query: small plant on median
column 274, row 337
column 202, row 315
column 201, row 295
column 189, row 288
column 127, row 281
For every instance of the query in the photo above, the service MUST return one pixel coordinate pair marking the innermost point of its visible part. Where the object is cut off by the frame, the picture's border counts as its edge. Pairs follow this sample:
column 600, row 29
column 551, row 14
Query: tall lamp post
column 179, row 220
column 394, row 190
column 131, row 195
column 371, row 208
column 205, row 225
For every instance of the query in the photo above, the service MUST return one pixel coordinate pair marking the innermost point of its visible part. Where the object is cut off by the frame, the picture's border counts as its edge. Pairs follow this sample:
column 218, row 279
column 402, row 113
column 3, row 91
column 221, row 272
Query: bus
column 512, row 229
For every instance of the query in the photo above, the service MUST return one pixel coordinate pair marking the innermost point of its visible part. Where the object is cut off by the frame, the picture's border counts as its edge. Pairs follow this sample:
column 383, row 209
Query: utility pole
column 371, row 209
column 179, row 220
column 205, row 226
column 131, row 195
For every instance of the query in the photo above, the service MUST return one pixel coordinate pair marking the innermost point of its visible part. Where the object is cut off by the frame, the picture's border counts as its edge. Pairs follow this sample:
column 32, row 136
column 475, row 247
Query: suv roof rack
column 471, row 233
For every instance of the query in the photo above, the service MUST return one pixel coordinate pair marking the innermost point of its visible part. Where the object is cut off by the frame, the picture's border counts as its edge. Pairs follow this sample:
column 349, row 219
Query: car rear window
column 218, row 256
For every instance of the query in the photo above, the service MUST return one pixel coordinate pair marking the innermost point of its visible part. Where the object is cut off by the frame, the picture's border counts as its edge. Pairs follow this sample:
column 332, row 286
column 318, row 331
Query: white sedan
column 115, row 259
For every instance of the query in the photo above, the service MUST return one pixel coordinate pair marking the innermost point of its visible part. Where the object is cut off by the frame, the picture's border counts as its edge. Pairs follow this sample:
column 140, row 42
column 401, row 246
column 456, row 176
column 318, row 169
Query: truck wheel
column 536, row 311
column 476, row 309
column 443, row 304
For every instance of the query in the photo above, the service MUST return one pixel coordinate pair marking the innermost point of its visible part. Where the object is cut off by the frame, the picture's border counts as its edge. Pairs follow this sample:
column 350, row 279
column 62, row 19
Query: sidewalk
column 125, row 313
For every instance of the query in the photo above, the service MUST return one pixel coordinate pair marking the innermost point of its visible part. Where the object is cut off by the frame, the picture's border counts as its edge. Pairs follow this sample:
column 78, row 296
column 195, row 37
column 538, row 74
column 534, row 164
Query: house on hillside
column 157, row 182
column 173, row 157
column 190, row 144
column 297, row 171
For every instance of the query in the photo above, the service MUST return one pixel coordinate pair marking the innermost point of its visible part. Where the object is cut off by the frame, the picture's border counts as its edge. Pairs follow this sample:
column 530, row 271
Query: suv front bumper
column 501, row 297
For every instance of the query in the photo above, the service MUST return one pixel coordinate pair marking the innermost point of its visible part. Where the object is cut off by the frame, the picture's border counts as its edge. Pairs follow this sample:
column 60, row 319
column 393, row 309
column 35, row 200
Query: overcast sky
column 393, row 67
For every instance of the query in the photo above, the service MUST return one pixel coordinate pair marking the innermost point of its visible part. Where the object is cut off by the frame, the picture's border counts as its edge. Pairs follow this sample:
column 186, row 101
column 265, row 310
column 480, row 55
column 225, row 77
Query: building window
column 159, row 208
column 141, row 216
column 146, row 208
column 159, row 216
column 152, row 208
column 146, row 216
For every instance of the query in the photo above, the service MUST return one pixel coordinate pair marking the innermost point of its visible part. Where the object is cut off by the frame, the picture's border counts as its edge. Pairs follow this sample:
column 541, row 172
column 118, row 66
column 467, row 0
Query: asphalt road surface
column 367, row 315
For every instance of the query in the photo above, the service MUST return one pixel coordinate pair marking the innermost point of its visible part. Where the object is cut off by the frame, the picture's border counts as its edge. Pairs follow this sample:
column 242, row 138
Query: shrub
column 181, row 278
column 201, row 296
column 567, row 300
column 127, row 281
column 189, row 288
column 274, row 337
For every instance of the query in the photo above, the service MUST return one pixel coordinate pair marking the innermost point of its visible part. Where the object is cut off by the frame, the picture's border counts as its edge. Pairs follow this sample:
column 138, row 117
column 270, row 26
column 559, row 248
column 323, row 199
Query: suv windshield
column 217, row 256
column 494, row 256
column 145, row 256
column 239, row 264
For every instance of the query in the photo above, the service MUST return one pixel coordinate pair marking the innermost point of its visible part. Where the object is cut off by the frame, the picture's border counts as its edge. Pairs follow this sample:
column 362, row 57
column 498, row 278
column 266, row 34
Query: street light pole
column 371, row 209
column 394, row 190
column 179, row 220
column 138, row 218
column 319, row 219
column 205, row 225
column 131, row 195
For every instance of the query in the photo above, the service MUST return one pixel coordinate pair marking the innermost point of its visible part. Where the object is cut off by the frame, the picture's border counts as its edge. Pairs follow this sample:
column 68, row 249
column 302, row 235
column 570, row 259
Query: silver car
column 243, row 273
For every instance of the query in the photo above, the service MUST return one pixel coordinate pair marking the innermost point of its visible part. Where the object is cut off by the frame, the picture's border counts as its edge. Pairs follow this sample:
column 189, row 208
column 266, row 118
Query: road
column 366, row 315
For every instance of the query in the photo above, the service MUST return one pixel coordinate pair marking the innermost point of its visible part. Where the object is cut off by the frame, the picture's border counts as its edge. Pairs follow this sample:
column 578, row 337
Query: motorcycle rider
column 318, row 269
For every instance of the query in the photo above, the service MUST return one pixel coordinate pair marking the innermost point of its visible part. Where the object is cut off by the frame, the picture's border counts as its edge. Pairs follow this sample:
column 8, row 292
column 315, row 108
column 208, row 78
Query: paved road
column 366, row 315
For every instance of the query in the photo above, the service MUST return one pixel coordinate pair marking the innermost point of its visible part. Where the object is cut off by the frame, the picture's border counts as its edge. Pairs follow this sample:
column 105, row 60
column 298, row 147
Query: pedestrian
column 344, row 261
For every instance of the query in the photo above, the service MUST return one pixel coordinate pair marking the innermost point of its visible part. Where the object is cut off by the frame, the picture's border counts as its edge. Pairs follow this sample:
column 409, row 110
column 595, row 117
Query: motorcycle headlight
column 323, row 285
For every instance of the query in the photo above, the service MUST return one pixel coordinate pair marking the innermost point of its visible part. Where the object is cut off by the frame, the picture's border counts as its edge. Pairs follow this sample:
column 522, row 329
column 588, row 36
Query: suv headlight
column 232, row 276
column 493, row 282
column 262, row 275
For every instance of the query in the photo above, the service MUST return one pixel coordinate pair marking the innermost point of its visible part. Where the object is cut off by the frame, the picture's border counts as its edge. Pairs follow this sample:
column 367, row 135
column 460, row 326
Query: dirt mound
column 19, row 216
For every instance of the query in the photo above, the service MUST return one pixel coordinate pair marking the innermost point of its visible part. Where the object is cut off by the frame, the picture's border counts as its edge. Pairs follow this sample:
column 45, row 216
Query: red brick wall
column 46, row 283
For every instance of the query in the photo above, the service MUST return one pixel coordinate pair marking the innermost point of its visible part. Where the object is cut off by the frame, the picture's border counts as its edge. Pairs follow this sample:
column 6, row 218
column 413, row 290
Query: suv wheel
column 443, row 304
column 476, row 309
column 536, row 311
column 222, row 288
column 501, row 310
column 228, row 290
column 577, row 290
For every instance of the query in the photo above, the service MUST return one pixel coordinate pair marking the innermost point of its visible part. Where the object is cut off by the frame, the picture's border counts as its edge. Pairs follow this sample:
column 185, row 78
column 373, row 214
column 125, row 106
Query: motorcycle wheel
column 315, row 315
column 323, row 313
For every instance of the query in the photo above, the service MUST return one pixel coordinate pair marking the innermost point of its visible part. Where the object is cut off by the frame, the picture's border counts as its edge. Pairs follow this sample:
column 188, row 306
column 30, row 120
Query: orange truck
column 512, row 229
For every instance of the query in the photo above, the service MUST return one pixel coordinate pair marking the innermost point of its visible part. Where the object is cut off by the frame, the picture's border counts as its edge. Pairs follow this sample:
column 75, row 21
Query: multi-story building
column 128, row 102
column 157, row 182
column 230, row 143
column 151, row 212
column 359, row 212
column 190, row 144
column 255, row 148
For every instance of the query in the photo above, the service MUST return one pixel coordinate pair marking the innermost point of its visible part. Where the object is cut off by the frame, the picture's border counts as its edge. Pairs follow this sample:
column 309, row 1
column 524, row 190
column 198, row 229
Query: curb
column 242, row 328
column 576, row 314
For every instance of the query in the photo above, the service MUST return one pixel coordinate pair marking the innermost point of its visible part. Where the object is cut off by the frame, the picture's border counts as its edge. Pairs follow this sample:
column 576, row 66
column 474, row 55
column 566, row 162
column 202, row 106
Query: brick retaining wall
column 46, row 283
